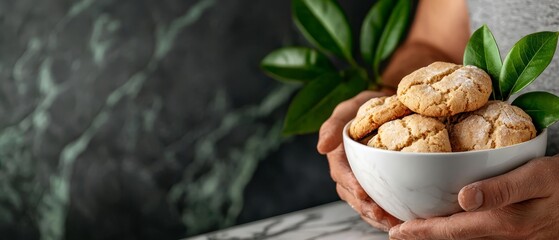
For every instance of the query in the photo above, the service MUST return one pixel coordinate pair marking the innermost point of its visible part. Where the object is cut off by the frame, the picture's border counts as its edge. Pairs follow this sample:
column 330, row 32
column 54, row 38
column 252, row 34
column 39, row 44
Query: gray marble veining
column 131, row 119
column 328, row 222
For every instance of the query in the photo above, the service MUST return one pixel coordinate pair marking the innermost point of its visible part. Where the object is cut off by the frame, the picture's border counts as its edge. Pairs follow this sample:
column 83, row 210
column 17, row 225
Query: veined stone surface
column 328, row 222
column 147, row 119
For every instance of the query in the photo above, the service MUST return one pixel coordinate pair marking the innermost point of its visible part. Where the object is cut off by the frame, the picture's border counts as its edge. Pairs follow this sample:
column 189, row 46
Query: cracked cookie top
column 374, row 113
column 445, row 89
column 497, row 124
column 414, row 133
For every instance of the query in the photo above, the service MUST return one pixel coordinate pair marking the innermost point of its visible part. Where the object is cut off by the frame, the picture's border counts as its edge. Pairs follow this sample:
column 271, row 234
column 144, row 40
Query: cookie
column 366, row 139
column 374, row 113
column 497, row 124
column 445, row 89
column 414, row 133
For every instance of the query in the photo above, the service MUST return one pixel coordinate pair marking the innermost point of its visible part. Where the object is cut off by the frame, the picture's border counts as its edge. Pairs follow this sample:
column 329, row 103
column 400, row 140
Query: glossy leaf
column 324, row 24
column 482, row 51
column 316, row 101
column 372, row 28
column 296, row 64
column 393, row 33
column 543, row 107
column 526, row 61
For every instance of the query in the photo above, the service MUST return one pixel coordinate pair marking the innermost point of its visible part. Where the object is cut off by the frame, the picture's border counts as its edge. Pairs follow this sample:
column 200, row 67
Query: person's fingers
column 526, row 182
column 383, row 225
column 369, row 211
column 341, row 173
column 363, row 207
column 392, row 221
column 369, row 206
column 330, row 134
column 464, row 225
column 348, row 197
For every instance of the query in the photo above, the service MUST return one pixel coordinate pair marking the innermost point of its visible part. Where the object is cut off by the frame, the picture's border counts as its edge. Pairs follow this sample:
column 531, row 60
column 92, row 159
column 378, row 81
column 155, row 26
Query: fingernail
column 472, row 198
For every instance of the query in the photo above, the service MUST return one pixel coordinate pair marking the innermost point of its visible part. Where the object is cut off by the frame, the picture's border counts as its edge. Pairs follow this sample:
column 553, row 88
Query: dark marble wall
column 146, row 119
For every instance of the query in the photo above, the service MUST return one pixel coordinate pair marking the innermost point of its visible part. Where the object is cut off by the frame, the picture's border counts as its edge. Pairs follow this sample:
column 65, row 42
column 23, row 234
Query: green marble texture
column 147, row 119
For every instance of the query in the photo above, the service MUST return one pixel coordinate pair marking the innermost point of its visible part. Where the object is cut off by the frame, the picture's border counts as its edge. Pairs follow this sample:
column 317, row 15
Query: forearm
column 408, row 58
column 439, row 32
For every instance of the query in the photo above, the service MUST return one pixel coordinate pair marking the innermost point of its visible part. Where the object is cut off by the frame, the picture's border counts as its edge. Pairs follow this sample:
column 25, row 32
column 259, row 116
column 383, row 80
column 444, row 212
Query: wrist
column 408, row 58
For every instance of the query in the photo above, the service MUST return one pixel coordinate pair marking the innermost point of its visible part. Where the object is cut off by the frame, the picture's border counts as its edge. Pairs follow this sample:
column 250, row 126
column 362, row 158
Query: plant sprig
column 325, row 26
column 526, row 60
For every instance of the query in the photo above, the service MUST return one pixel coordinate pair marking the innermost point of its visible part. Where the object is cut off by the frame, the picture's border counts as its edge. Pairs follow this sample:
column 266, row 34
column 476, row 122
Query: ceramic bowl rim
column 345, row 134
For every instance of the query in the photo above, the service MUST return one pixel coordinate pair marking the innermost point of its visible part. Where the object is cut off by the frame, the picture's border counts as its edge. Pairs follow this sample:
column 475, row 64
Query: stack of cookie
column 443, row 107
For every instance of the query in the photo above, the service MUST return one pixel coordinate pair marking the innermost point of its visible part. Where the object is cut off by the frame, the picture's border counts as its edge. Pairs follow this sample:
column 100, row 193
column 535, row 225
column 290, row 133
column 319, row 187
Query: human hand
column 349, row 190
column 521, row 204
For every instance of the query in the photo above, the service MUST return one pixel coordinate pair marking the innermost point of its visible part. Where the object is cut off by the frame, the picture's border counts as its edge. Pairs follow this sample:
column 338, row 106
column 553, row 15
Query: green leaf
column 543, row 107
column 393, row 33
column 526, row 61
column 316, row 101
column 482, row 51
column 372, row 28
column 324, row 24
column 296, row 64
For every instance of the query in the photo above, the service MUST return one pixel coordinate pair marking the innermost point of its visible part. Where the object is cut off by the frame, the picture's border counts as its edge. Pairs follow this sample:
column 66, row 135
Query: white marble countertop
column 330, row 221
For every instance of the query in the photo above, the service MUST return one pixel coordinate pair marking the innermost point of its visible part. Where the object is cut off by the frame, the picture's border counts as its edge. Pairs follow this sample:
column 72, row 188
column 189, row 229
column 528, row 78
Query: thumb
column 524, row 183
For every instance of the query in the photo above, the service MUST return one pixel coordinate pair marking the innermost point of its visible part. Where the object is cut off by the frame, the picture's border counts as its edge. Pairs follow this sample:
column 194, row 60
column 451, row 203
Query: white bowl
column 425, row 185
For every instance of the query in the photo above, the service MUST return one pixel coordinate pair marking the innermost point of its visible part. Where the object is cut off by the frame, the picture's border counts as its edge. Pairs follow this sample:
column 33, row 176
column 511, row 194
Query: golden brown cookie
column 374, row 113
column 414, row 133
column 497, row 124
column 445, row 89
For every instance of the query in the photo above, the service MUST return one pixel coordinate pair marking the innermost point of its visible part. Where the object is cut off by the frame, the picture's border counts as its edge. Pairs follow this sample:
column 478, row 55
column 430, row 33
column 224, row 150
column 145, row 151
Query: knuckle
column 335, row 156
column 337, row 114
column 350, row 103
column 510, row 190
column 503, row 193
column 323, row 127
column 362, row 97
column 363, row 215
column 333, row 175
column 341, row 194
column 364, row 94
column 326, row 125
column 341, row 106
column 336, row 168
